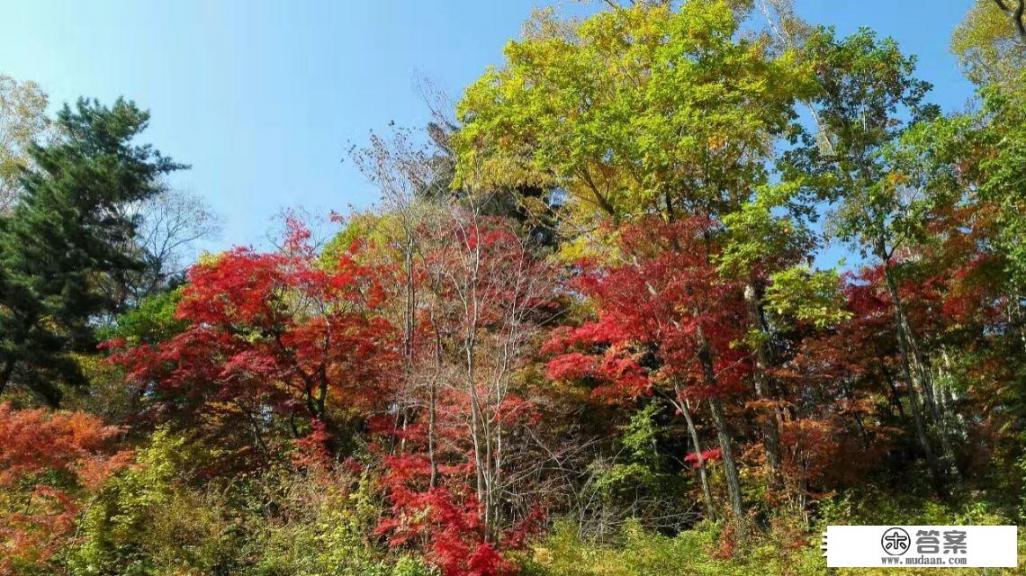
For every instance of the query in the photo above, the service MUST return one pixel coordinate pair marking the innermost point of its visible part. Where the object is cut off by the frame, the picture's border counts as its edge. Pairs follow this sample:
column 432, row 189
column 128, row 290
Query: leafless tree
column 172, row 223
column 169, row 226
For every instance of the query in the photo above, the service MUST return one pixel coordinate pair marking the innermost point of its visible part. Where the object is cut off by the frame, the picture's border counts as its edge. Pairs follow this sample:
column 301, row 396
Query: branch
column 1016, row 15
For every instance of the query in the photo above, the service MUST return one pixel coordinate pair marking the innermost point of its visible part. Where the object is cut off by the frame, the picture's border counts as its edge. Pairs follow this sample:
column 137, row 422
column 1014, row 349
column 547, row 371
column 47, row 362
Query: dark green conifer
column 70, row 233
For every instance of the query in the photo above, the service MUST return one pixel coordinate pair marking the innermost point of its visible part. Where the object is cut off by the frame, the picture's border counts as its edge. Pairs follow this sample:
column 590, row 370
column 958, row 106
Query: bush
column 147, row 521
column 158, row 518
column 785, row 548
column 318, row 529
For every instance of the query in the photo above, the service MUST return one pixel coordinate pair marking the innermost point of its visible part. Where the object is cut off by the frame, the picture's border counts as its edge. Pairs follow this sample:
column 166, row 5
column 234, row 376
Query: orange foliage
column 48, row 461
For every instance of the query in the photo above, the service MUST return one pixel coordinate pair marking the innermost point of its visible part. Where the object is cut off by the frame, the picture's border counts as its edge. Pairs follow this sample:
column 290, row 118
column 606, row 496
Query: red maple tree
column 272, row 341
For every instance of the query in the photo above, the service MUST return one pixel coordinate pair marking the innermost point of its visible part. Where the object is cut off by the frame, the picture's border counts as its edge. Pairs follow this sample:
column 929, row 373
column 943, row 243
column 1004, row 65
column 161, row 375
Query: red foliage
column 269, row 333
column 444, row 520
column 447, row 525
column 312, row 451
column 47, row 459
column 651, row 306
column 707, row 455
column 38, row 440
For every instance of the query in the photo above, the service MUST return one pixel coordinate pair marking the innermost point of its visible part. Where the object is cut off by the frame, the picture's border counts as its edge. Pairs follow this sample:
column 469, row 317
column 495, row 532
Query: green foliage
column 67, row 236
column 640, row 436
column 870, row 505
column 767, row 231
column 412, row 566
column 806, row 295
column 873, row 505
column 628, row 113
column 157, row 519
column 1002, row 174
column 146, row 521
column 639, row 465
column 869, row 98
column 323, row 529
column 23, row 123
column 695, row 552
column 358, row 228
column 640, row 480
column 987, row 45
column 785, row 547
column 151, row 321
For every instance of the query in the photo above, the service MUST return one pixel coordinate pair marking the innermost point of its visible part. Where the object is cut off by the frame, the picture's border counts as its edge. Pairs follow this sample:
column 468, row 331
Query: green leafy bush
column 146, row 521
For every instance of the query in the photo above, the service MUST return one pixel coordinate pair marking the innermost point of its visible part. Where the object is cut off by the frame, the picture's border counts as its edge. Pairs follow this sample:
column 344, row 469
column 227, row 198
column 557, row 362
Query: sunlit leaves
column 806, row 295
column 630, row 114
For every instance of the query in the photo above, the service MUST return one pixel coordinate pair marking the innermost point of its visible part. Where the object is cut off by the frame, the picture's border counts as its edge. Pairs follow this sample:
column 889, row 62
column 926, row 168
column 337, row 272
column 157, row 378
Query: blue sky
column 264, row 98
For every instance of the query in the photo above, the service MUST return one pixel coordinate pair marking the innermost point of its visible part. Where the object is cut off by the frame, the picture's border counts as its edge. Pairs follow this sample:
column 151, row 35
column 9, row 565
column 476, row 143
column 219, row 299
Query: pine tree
column 70, row 232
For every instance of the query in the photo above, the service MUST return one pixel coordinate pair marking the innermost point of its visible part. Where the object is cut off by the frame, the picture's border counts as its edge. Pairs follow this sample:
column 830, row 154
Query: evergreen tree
column 69, row 234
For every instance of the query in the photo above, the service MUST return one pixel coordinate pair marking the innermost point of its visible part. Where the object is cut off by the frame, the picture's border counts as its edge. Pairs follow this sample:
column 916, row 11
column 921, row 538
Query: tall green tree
column 634, row 111
column 868, row 159
column 67, row 236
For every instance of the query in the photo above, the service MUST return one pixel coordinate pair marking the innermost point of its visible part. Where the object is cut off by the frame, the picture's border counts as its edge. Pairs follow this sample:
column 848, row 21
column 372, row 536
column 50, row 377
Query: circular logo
column 895, row 541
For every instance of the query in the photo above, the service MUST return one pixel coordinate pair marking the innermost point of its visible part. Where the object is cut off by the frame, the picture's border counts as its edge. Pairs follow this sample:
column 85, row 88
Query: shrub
column 148, row 521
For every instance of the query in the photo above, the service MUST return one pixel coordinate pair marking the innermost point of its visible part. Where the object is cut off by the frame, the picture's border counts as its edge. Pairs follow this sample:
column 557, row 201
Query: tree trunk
column 5, row 375
column 722, row 431
column 936, row 466
column 1017, row 317
column 920, row 427
column 685, row 408
column 895, row 395
column 1017, row 12
column 729, row 465
column 769, row 419
column 409, row 327
column 913, row 365
column 432, row 407
column 947, row 398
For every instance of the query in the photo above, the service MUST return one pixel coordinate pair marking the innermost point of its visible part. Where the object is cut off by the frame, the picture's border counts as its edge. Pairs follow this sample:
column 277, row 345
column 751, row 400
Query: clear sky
column 264, row 98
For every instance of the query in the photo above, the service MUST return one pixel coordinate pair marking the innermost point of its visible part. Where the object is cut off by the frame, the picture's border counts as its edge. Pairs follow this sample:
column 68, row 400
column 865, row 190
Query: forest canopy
column 587, row 329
